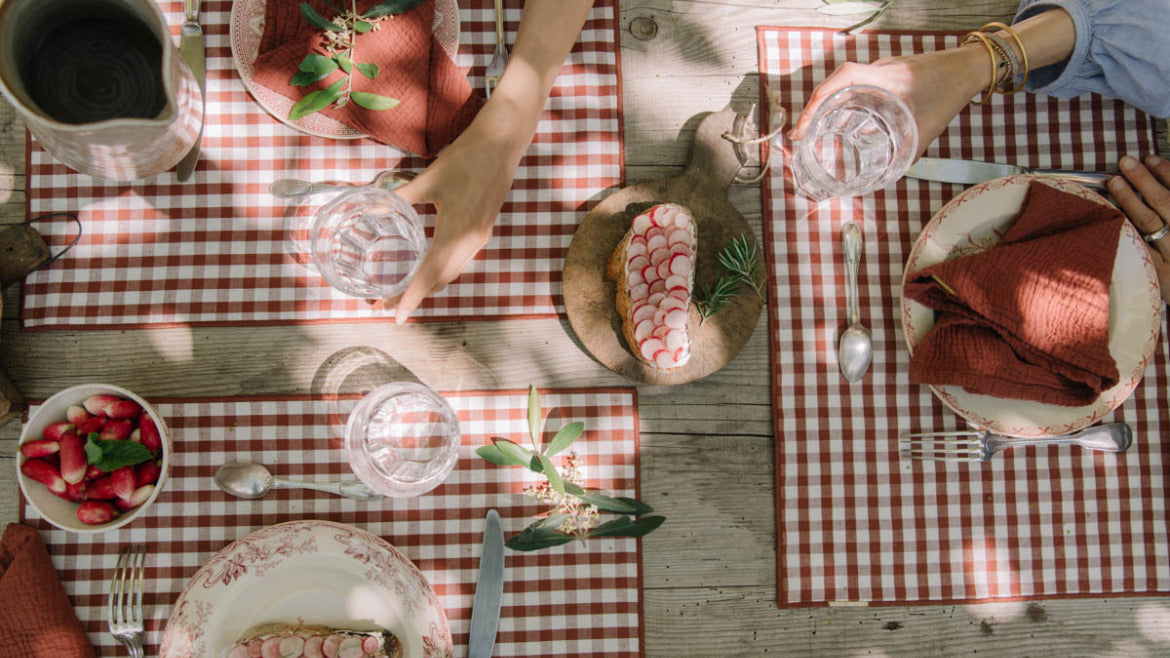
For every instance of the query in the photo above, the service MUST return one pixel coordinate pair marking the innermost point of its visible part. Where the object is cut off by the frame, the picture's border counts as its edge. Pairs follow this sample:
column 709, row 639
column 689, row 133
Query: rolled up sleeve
column 1122, row 51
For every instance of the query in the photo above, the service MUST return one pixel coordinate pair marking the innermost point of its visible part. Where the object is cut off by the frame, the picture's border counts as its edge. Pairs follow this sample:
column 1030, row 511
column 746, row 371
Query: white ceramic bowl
column 63, row 513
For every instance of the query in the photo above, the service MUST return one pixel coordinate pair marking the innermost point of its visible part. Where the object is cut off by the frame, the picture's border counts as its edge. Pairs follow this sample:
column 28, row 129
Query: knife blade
column 192, row 51
column 489, row 590
column 971, row 172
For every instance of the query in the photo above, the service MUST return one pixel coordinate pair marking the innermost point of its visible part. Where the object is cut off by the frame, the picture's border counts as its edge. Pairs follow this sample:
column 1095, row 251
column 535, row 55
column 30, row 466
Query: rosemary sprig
column 576, row 511
column 713, row 296
column 741, row 257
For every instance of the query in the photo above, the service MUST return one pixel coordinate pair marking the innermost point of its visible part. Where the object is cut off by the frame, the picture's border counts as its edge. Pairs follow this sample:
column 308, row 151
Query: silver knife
column 489, row 590
column 971, row 172
column 191, row 50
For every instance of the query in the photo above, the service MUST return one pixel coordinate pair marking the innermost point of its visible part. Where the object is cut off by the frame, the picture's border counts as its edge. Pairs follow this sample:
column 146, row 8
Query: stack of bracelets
column 1008, row 74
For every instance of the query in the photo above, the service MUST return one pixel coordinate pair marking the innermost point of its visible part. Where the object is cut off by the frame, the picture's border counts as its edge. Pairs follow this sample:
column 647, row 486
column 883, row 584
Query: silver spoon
column 855, row 348
column 248, row 480
column 292, row 188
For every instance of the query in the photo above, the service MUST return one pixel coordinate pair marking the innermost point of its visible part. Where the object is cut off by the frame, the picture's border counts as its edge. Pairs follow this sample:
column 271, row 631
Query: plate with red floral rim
column 973, row 222
column 311, row 572
column 246, row 28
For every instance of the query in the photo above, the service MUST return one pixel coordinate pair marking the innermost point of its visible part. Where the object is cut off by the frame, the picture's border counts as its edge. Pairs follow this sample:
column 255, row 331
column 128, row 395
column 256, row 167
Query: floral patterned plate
column 974, row 221
column 318, row 572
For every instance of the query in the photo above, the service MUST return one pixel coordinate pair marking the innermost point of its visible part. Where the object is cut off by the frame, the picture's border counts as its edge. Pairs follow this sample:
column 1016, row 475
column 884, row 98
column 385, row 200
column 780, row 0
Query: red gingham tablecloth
column 856, row 523
column 216, row 250
column 580, row 599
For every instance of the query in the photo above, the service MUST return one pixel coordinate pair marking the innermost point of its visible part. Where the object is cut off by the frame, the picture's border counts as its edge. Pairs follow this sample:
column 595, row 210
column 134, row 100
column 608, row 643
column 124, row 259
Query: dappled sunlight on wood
column 1153, row 622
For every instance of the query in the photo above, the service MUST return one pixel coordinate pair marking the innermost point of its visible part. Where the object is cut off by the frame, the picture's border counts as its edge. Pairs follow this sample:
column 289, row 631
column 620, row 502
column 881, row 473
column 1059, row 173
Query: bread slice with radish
column 654, row 268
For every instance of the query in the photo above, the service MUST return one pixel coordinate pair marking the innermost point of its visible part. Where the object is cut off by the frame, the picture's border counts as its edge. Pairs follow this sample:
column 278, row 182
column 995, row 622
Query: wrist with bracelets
column 1008, row 74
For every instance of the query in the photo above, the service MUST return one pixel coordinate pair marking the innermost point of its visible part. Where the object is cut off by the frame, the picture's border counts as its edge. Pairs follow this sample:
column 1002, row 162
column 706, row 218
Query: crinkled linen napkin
column 1027, row 319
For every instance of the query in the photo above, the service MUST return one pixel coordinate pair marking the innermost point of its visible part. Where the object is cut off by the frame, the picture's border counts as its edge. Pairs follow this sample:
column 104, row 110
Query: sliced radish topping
column 370, row 645
column 649, row 273
column 680, row 265
column 649, row 347
column 634, row 278
column 676, row 319
column 655, row 242
column 678, row 236
column 638, row 239
column 656, row 298
column 663, row 359
column 681, row 220
column 643, row 312
column 664, row 270
column 675, row 339
column 658, row 256
column 640, row 292
column 672, row 304
column 680, row 355
column 683, row 249
column 643, row 329
column 636, row 263
column 676, row 281
column 641, row 223
column 680, row 294
column 659, row 319
column 661, row 333
column 635, row 249
column 655, row 214
column 658, row 286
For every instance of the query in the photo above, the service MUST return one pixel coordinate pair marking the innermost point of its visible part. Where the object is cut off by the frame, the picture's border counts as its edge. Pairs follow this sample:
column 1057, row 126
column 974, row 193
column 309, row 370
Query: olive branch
column 340, row 34
column 576, row 511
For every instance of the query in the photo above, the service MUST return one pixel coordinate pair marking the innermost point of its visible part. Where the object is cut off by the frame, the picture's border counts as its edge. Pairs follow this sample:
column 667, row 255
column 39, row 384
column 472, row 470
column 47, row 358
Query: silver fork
column 124, row 608
column 495, row 68
column 980, row 445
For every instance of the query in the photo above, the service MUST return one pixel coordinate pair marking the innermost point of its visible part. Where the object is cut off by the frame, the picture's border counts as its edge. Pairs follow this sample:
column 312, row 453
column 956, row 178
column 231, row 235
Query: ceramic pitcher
column 99, row 84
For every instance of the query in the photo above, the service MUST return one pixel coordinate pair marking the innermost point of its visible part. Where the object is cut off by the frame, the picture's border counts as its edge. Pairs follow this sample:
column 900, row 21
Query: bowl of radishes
column 93, row 457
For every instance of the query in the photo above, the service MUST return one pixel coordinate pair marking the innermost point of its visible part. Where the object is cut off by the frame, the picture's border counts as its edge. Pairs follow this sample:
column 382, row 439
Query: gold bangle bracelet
column 969, row 38
column 1023, row 53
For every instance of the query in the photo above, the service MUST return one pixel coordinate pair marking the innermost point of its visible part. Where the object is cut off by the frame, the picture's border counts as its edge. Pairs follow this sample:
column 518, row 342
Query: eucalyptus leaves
column 340, row 33
column 576, row 511
column 741, row 263
column 876, row 9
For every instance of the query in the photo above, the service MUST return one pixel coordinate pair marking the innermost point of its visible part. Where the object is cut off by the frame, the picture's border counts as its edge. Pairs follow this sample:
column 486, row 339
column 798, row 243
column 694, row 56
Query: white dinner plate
column 246, row 28
column 315, row 572
column 973, row 222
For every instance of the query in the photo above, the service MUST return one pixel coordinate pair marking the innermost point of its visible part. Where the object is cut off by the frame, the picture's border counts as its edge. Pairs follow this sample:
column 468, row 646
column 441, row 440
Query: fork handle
column 499, row 21
column 1110, row 437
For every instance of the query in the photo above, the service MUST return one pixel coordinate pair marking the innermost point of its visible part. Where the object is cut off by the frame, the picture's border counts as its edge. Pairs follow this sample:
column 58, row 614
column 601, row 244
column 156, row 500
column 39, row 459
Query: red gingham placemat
column 574, row 600
column 216, row 250
column 856, row 523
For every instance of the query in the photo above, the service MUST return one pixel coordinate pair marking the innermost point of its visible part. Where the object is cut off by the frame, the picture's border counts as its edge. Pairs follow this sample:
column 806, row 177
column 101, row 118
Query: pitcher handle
column 76, row 239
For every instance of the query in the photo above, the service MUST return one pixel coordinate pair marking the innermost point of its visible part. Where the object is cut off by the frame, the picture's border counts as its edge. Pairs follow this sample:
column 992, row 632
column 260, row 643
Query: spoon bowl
column 855, row 347
column 248, row 480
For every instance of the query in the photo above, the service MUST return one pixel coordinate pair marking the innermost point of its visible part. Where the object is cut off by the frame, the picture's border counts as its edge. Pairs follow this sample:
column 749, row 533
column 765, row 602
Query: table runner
column 574, row 600
column 212, row 251
column 857, row 524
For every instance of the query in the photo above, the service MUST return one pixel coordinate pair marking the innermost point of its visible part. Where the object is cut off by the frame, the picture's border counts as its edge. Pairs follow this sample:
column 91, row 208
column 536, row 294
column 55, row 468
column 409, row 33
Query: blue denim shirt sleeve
column 1122, row 51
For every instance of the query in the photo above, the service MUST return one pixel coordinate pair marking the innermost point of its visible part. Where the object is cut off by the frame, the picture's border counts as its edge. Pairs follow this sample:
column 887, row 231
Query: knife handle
column 1093, row 179
column 191, row 10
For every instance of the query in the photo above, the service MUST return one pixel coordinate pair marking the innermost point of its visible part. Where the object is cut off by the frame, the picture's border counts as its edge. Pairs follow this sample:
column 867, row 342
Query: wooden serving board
column 589, row 296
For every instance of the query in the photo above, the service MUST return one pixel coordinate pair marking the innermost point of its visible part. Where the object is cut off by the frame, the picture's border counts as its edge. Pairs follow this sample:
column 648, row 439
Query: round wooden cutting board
column 589, row 296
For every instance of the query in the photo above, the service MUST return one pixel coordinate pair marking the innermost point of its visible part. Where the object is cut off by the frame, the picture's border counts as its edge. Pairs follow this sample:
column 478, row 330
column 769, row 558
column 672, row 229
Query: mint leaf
column 116, row 454
column 93, row 452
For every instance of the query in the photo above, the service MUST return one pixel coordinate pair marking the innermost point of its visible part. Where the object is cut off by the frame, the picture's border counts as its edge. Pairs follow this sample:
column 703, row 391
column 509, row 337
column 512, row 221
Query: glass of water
column 402, row 439
column 367, row 242
column 861, row 139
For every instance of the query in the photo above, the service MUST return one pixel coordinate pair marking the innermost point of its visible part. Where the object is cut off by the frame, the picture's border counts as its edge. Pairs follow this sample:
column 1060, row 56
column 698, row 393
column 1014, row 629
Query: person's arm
column 469, row 180
column 937, row 86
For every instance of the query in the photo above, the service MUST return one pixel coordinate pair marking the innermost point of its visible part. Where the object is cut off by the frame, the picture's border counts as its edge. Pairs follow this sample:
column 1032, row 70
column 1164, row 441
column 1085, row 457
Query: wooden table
column 709, row 573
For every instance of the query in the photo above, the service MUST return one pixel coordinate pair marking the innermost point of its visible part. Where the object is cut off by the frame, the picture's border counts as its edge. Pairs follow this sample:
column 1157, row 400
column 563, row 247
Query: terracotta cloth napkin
column 436, row 100
column 1027, row 319
column 36, row 618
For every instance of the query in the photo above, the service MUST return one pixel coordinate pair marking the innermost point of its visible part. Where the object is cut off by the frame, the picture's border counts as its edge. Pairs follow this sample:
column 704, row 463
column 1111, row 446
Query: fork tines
column 963, row 445
column 124, row 607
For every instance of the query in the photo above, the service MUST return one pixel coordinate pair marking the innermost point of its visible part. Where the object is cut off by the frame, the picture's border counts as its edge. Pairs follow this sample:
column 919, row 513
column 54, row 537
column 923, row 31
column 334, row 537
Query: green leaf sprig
column 877, row 9
column 741, row 264
column 576, row 511
column 111, row 455
column 340, row 33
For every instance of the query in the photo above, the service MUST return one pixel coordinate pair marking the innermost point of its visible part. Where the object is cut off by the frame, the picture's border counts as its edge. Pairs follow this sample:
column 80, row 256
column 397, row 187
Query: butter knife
column 489, row 590
column 971, row 172
column 191, row 50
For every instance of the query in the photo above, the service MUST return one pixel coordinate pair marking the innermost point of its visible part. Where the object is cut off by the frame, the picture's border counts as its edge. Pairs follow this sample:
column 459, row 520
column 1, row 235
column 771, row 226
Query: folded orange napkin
column 1027, row 319
column 436, row 100
column 36, row 618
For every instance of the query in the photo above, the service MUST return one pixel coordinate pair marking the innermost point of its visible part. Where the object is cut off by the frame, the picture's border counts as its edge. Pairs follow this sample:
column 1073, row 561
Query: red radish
column 93, row 472
column 313, row 647
column 76, row 414
column 76, row 492
column 662, row 359
column 649, row 347
column 676, row 319
column 642, row 312
column 135, row 436
column 95, row 512
column 54, row 431
column 45, row 473
column 96, row 404
column 634, row 278
column 675, row 339
column 351, row 647
column 292, row 646
column 636, row 249
column 147, row 473
column 638, row 239
column 655, row 242
column 39, row 448
column 254, row 648
column 681, row 265
column 151, row 438
column 102, row 489
column 123, row 482
column 271, row 648
column 671, row 304
column 641, row 224
column 678, row 236
column 643, row 329
column 657, row 287
column 676, row 281
column 678, row 355
column 116, row 430
column 639, row 292
column 664, row 270
column 680, row 294
column 138, row 497
column 123, row 409
column 637, row 263
column 659, row 316
column 90, row 425
column 331, row 645
column 238, row 651
column 659, row 255
column 73, row 462
column 649, row 274
column 370, row 645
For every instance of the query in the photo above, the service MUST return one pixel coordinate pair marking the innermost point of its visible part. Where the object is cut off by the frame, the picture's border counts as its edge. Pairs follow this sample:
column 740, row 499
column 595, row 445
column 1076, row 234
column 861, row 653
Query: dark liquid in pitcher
column 97, row 68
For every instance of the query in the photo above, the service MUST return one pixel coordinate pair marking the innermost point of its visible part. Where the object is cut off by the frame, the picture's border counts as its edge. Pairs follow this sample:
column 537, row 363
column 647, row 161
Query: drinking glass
column 402, row 439
column 367, row 242
column 861, row 139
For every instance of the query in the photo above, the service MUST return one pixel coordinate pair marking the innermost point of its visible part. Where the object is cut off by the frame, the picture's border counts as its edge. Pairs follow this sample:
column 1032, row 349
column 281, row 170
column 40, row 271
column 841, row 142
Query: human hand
column 1144, row 196
column 935, row 86
column 467, row 184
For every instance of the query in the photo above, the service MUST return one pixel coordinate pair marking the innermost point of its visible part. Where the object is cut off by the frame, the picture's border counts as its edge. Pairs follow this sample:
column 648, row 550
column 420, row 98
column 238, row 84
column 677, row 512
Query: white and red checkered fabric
column 856, row 523
column 215, row 250
column 581, row 599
